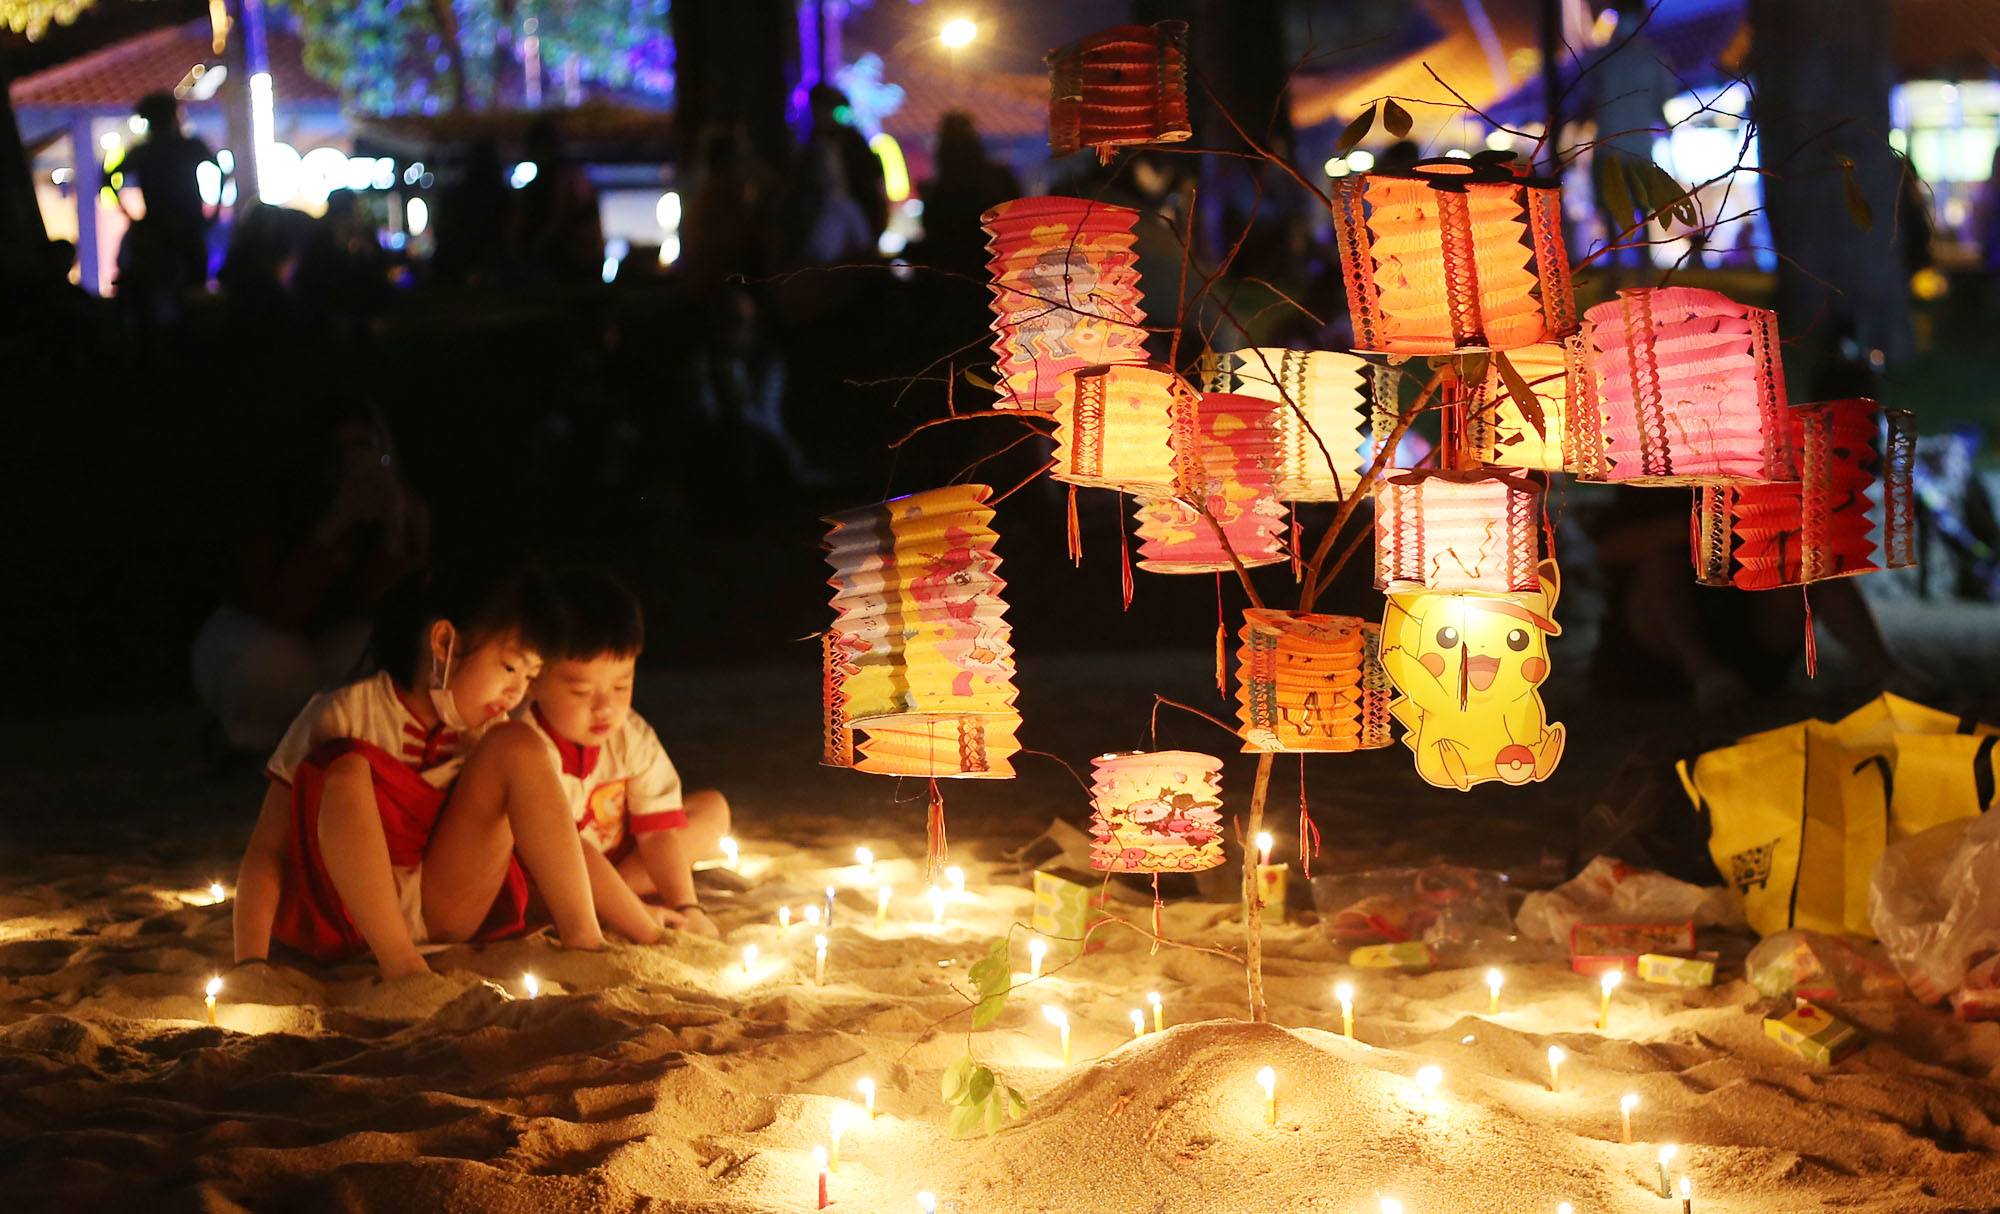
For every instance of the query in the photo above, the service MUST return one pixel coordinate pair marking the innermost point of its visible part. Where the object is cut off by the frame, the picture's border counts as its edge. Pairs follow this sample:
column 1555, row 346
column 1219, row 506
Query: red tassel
column 1075, row 531
column 1812, row 642
column 1298, row 562
column 1157, row 904
column 934, row 853
column 1308, row 829
column 1125, row 561
column 1221, row 637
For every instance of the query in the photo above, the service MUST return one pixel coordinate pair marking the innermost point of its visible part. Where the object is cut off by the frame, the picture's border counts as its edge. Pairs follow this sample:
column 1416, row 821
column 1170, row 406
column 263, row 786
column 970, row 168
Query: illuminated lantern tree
column 1238, row 451
column 1156, row 812
column 1065, row 294
column 1325, row 418
column 1457, row 531
column 1685, row 387
column 1852, row 510
column 1309, row 682
column 1497, row 433
column 1131, row 427
column 1122, row 86
column 1451, row 255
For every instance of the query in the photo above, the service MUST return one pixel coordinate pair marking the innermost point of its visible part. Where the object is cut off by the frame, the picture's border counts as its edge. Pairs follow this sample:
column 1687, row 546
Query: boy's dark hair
column 601, row 617
column 484, row 598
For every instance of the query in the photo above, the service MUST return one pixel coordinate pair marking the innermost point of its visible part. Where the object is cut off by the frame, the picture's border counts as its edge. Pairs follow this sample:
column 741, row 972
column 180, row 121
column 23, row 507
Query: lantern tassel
column 1221, row 637
column 1157, row 905
column 1308, row 829
column 1125, row 563
column 1298, row 562
column 1812, row 642
column 1075, row 531
column 934, row 854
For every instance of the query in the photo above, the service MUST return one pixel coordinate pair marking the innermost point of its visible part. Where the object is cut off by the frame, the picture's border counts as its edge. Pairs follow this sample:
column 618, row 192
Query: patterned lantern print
column 1156, row 812
column 1468, row 671
column 1309, row 682
column 1122, row 86
column 1065, row 294
column 1687, row 389
column 1326, row 415
column 1130, row 427
column 1852, row 510
column 1457, row 531
column 1498, row 433
column 1452, row 255
column 1238, row 448
column 918, row 660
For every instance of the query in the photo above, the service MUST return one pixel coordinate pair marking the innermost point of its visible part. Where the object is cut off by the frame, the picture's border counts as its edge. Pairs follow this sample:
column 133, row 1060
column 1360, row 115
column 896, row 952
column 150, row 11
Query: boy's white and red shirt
column 371, row 711
column 625, row 782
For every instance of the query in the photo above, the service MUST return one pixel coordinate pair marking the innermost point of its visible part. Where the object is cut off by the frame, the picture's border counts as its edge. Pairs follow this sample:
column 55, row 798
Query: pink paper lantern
column 1156, row 812
column 1239, row 450
column 1065, row 294
column 1457, row 531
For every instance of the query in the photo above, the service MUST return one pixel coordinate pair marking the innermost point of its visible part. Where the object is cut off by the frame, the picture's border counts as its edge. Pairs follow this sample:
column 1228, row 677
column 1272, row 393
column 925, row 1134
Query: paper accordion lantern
column 1686, row 388
column 1130, row 427
column 1498, row 434
column 1852, row 511
column 918, row 660
column 1468, row 671
column 1457, row 531
column 1156, row 812
column 1453, row 255
column 1326, row 408
column 1237, row 451
column 1065, row 294
column 1310, row 682
column 1121, row 86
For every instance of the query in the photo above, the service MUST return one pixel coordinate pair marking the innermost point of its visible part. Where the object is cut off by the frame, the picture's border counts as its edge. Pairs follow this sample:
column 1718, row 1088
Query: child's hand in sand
column 693, row 920
column 406, row 967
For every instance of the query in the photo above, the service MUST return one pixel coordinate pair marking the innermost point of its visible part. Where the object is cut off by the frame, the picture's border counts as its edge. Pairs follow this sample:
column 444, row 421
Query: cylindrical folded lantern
column 1065, row 294
column 1130, row 427
column 1121, row 86
column 1452, row 255
column 1325, row 418
column 1852, row 511
column 1686, row 388
column 918, row 658
column 1499, row 434
column 1156, row 812
column 1238, row 449
column 1457, row 531
column 1310, row 682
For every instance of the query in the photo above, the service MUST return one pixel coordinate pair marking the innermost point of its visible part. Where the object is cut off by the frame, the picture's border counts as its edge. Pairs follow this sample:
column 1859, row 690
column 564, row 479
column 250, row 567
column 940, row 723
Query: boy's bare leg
column 356, row 855
column 507, row 799
column 618, row 907
column 707, row 821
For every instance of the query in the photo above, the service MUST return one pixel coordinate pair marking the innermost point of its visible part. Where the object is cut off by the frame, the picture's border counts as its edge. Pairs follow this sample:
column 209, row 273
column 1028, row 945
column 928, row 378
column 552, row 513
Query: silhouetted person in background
column 469, row 226
column 861, row 168
column 165, row 251
column 967, row 184
column 721, row 224
column 557, row 234
column 342, row 274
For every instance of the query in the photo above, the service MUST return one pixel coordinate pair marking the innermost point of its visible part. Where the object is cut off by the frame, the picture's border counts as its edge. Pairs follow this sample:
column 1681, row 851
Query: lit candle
column 866, row 859
column 937, row 897
column 784, row 919
column 1556, row 1057
column 1391, row 1206
column 1493, row 980
column 216, row 893
column 1667, row 1154
column 882, row 897
column 811, row 914
column 867, row 1088
column 214, row 989
column 730, row 852
column 819, row 1160
column 1056, row 1017
column 840, row 1112
column 1428, row 1079
column 1138, row 1024
column 749, row 957
column 1264, row 843
column 1037, row 949
column 1625, row 1105
column 1565, row 1208
column 1605, row 986
column 1268, row 1080
column 530, row 985
column 1159, row 1012
column 956, row 876
column 1687, row 1196
column 819, row 961
column 829, row 906
column 928, row 1202
column 1345, row 994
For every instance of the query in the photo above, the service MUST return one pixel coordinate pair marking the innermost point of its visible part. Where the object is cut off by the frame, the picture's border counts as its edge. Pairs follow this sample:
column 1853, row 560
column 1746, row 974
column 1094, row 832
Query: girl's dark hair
column 601, row 617
column 484, row 599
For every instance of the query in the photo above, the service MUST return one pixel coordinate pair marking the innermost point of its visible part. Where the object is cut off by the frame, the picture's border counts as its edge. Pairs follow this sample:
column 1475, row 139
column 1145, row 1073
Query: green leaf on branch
column 1356, row 131
column 996, row 1115
column 980, row 1088
column 981, row 1100
column 1523, row 394
column 1858, row 209
column 1614, row 189
column 1017, row 1104
column 965, row 1119
column 1665, row 197
column 956, row 1076
column 979, row 381
column 993, row 976
column 1395, row 119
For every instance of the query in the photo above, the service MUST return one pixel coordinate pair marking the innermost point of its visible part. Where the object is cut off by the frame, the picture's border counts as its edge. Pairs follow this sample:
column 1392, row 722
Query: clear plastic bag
column 1816, row 966
column 1935, row 905
column 1443, row 905
column 1613, row 889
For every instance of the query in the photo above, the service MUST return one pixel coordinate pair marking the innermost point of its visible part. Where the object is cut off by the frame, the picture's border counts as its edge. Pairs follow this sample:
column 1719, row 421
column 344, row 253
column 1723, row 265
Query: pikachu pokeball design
column 1468, row 669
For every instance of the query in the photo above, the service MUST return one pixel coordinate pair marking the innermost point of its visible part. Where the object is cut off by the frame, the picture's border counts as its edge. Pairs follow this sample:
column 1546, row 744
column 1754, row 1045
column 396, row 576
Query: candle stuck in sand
column 1556, row 1057
column 1391, row 1206
column 1493, row 981
column 1667, row 1154
column 1037, row 949
column 811, row 915
column 867, row 1090
column 819, row 961
column 866, row 859
column 955, row 877
column 1626, row 1104
column 1687, row 1196
column 216, row 893
column 1268, row 1080
column 1565, row 1208
column 1056, row 1016
column 1159, row 1012
column 839, row 1123
column 882, row 897
column 927, row 1202
column 784, row 919
column 1428, row 1080
column 1345, row 994
column 214, row 989
column 937, row 897
column 829, row 906
column 749, row 957
column 531, row 984
column 819, row 1162
column 1264, row 844
column 1605, row 985
column 1138, row 1024
column 730, row 852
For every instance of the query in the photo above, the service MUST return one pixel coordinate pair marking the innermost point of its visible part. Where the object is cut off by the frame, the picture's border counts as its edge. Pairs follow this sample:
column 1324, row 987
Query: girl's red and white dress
column 622, row 788
column 412, row 767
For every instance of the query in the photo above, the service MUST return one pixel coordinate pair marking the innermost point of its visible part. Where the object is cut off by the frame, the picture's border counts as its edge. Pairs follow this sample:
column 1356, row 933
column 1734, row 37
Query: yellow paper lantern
column 1498, row 434
column 1130, row 427
column 1309, row 682
column 1327, row 413
column 1156, row 812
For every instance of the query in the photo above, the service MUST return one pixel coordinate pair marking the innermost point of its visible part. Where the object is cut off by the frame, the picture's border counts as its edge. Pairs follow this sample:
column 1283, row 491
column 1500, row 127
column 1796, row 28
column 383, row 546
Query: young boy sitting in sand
column 641, row 836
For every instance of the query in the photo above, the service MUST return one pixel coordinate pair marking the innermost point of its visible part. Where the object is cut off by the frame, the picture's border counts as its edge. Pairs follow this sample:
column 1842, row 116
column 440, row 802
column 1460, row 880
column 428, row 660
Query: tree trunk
column 454, row 49
column 22, row 235
column 735, row 65
column 1823, row 75
column 1253, row 892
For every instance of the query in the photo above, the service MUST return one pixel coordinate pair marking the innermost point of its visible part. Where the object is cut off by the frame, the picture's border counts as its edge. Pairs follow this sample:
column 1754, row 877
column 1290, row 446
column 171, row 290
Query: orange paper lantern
column 1065, row 294
column 1156, row 812
column 1457, row 531
column 1685, row 387
column 1852, row 510
column 1122, row 86
column 1453, row 255
column 1309, row 682
column 1326, row 417
column 1238, row 451
column 918, row 659
column 1499, row 434
column 1130, row 427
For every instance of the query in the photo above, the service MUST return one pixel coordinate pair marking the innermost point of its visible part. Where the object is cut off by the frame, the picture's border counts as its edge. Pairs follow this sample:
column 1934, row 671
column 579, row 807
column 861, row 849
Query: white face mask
column 441, row 699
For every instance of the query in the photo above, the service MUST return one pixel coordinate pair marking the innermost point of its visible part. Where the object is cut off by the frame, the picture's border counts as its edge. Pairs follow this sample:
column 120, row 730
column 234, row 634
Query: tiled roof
column 1004, row 105
column 117, row 76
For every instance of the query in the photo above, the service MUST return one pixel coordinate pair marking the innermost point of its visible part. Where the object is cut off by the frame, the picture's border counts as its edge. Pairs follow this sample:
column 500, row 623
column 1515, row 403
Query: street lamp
column 958, row 32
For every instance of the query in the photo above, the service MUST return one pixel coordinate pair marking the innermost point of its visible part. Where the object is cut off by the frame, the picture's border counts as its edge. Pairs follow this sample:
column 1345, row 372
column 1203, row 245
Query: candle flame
column 1037, row 949
column 812, row 916
column 1266, row 1078
column 749, row 957
column 1565, row 1208
column 1391, row 1206
column 864, row 857
column 1428, row 1079
column 882, row 897
column 1628, row 1102
column 1153, row 997
column 729, row 849
column 928, row 1202
column 1667, row 1154
column 530, row 985
column 1556, row 1055
column 1055, row 1015
column 819, row 942
column 1610, row 980
column 216, row 891
column 819, row 1157
column 1138, row 1023
column 1493, row 980
column 1264, row 842
column 214, row 986
column 956, row 876
column 867, row 1089
column 1344, row 993
column 1687, row 1188
column 784, row 916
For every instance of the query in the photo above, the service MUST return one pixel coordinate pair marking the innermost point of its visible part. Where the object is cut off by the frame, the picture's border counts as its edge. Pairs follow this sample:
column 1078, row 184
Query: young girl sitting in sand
column 640, row 836
column 396, row 809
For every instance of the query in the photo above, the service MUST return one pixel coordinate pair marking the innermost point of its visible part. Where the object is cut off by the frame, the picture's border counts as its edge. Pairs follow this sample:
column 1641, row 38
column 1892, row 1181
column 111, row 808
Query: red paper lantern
column 1685, row 387
column 1457, row 531
column 1065, row 294
column 1130, row 427
column 1451, row 255
column 1853, row 510
column 1499, row 434
column 1326, row 416
column 1122, row 86
column 1307, row 682
column 1156, row 812
column 1238, row 449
